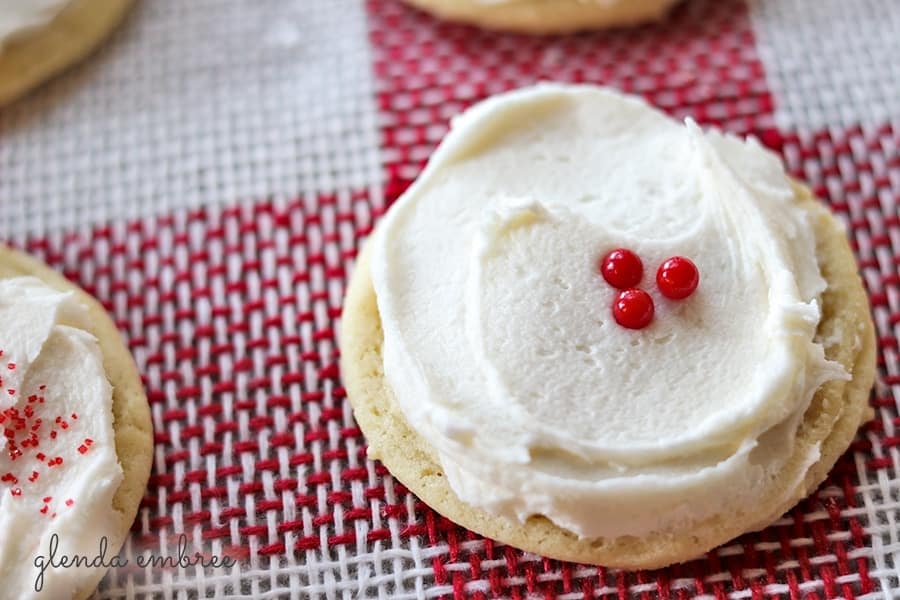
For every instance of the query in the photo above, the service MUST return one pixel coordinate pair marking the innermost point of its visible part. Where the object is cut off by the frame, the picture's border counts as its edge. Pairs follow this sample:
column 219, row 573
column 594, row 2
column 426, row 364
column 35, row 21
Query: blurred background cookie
column 547, row 16
column 39, row 39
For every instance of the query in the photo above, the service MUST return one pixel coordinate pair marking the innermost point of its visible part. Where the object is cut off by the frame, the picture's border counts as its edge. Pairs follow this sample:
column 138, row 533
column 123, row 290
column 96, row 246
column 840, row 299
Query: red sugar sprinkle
column 11, row 366
column 45, row 510
column 622, row 268
column 42, row 388
column 22, row 433
column 633, row 309
column 677, row 277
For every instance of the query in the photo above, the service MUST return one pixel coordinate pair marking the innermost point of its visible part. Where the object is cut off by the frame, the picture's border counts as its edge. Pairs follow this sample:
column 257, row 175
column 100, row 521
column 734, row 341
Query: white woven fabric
column 830, row 62
column 195, row 102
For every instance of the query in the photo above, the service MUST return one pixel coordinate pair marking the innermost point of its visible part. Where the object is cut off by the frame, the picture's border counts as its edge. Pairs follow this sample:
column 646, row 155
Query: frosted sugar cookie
column 510, row 369
column 76, row 444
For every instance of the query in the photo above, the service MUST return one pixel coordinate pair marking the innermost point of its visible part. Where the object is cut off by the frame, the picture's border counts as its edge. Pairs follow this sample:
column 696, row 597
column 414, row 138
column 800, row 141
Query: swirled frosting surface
column 499, row 343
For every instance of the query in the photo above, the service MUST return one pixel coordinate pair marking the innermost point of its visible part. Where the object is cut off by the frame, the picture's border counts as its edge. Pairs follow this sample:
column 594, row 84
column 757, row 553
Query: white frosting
column 499, row 343
column 42, row 333
column 18, row 17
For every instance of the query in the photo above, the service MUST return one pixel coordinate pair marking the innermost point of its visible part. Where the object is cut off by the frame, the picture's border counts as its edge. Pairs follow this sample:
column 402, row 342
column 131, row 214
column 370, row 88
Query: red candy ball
column 622, row 268
column 677, row 277
column 633, row 309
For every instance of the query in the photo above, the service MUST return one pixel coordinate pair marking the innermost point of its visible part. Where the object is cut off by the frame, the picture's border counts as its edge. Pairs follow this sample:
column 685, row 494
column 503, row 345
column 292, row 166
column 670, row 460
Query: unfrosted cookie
column 80, row 435
column 41, row 38
column 547, row 16
column 524, row 411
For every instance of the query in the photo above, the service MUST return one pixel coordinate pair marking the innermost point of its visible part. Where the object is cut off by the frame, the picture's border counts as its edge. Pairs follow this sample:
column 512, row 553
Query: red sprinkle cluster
column 24, row 433
column 676, row 278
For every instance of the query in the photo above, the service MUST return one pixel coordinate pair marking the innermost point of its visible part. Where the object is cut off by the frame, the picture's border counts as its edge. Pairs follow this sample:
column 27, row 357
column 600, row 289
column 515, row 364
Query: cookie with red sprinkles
column 76, row 439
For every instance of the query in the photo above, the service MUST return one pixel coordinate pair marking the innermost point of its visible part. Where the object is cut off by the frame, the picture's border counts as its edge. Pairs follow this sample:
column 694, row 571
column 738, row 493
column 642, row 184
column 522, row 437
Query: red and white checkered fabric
column 210, row 175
